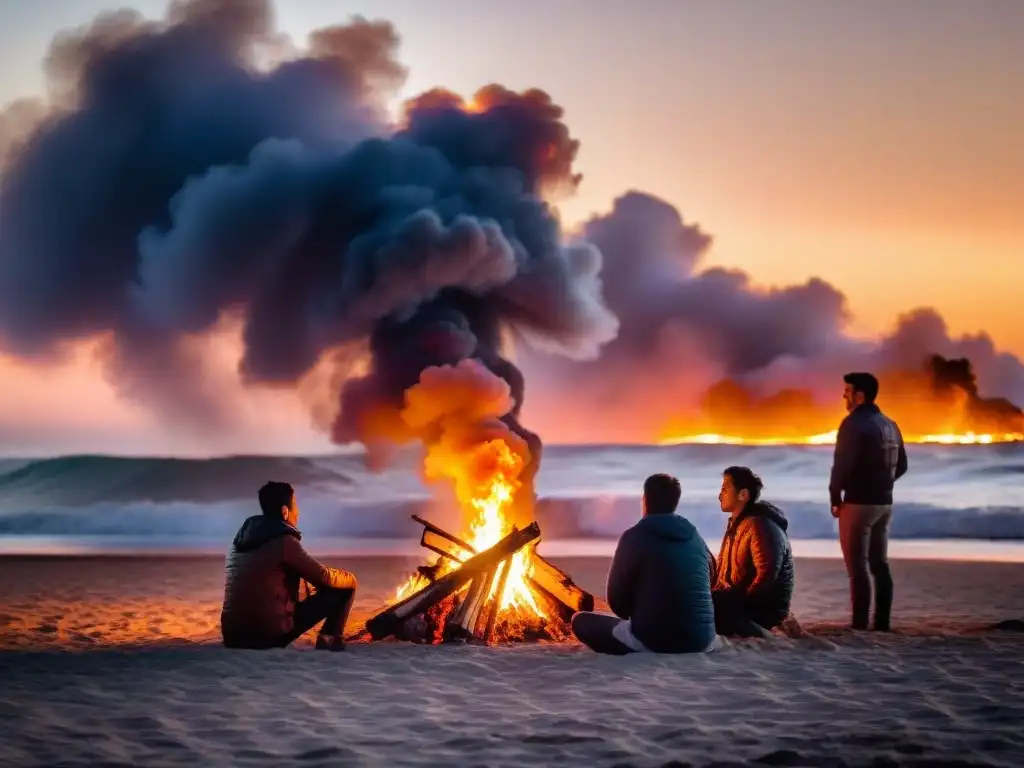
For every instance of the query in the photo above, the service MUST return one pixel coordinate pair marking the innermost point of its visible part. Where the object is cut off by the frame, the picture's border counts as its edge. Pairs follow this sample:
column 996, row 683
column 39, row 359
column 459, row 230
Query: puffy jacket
column 869, row 458
column 755, row 564
column 261, row 588
column 660, row 579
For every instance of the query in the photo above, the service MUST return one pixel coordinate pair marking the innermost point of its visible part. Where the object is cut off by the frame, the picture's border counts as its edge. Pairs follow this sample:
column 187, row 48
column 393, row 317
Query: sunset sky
column 876, row 145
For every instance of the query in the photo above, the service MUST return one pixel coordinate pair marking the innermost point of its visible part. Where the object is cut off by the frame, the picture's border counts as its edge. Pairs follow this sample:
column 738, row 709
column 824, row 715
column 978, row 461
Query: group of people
column 667, row 592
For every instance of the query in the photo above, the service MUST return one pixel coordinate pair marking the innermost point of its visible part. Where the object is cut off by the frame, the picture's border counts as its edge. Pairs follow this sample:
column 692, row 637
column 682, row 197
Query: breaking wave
column 587, row 492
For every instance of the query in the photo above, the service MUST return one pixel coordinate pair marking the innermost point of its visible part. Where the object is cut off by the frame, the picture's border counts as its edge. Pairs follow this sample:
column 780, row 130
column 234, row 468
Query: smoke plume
column 200, row 171
column 203, row 172
column 703, row 350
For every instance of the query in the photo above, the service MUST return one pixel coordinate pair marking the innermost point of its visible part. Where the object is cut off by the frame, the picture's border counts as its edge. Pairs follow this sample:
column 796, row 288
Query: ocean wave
column 587, row 492
column 559, row 518
column 84, row 480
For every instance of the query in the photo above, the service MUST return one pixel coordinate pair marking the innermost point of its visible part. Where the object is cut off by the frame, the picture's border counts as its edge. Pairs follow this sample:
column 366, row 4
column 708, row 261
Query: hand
column 836, row 511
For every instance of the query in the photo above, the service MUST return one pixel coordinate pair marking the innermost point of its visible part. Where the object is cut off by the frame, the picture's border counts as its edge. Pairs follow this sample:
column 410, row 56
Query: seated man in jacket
column 659, row 584
column 264, row 567
column 753, row 584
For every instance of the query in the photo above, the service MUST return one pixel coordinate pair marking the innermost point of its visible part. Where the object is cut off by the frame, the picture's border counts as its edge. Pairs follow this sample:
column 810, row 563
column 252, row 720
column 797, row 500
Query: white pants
column 623, row 632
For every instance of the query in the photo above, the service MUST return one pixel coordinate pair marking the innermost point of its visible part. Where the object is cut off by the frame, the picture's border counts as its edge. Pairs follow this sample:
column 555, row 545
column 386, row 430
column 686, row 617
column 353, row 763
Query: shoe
column 329, row 643
column 881, row 626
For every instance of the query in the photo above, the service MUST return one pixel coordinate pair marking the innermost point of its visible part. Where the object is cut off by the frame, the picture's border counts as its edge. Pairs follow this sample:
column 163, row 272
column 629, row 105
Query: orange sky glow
column 885, row 156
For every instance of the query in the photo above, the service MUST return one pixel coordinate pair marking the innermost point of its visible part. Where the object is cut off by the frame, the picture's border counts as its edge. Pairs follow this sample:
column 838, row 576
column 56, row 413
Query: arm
column 901, row 460
column 766, row 551
column 843, row 461
column 622, row 579
column 712, row 565
column 310, row 569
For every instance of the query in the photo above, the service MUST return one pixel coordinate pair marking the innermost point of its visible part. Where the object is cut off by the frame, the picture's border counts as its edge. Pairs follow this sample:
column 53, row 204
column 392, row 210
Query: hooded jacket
column 261, row 588
column 660, row 579
column 755, row 564
column 869, row 458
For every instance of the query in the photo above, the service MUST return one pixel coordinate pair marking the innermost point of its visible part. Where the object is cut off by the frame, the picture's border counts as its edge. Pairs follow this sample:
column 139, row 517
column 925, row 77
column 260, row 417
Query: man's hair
column 865, row 383
column 662, row 493
column 273, row 496
column 744, row 479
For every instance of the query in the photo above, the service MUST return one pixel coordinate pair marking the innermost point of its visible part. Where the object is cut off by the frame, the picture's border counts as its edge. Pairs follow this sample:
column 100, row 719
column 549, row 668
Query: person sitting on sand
column 659, row 584
column 754, row 578
column 261, row 593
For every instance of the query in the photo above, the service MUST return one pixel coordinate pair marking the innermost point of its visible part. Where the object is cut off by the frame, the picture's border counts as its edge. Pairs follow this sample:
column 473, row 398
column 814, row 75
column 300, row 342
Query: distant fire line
column 829, row 438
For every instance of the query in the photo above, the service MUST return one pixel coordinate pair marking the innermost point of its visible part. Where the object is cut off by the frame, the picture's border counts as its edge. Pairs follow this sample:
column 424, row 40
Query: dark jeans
column 732, row 620
column 864, row 536
column 331, row 606
column 594, row 630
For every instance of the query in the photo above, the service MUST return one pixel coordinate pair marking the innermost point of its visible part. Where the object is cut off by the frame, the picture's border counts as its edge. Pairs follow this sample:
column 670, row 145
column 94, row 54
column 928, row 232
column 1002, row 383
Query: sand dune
column 155, row 688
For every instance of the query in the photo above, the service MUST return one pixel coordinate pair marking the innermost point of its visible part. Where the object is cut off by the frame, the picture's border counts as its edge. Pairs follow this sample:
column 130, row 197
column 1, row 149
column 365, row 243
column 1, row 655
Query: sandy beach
column 116, row 661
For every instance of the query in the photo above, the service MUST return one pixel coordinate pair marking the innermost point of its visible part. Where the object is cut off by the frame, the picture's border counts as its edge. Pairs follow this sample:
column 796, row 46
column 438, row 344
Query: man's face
column 851, row 397
column 729, row 498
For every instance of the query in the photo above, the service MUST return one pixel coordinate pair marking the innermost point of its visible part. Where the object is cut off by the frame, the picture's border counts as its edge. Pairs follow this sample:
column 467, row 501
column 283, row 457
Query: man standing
column 261, row 592
column 659, row 584
column 869, row 458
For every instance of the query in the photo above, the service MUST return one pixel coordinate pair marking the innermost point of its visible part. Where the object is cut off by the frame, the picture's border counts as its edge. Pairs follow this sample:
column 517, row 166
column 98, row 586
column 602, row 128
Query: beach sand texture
column 115, row 661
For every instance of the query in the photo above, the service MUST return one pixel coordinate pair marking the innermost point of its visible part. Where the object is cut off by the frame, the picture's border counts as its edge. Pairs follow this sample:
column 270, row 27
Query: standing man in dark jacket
column 870, row 457
column 261, row 592
column 659, row 584
column 753, row 585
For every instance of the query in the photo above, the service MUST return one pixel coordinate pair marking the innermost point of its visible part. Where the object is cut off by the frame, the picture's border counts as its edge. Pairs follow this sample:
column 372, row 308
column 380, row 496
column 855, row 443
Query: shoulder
column 631, row 535
column 890, row 423
column 758, row 526
column 850, row 422
column 291, row 542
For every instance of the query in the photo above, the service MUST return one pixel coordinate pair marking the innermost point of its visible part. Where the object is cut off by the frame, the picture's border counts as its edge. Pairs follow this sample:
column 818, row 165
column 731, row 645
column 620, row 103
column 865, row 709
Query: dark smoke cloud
column 683, row 328
column 203, row 171
column 191, row 170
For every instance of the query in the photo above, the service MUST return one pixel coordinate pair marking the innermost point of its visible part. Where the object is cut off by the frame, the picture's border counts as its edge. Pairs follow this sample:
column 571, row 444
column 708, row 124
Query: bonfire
column 487, row 583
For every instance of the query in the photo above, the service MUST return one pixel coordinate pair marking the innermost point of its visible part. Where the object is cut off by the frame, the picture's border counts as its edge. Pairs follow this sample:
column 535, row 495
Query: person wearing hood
column 264, row 568
column 659, row 584
column 753, row 585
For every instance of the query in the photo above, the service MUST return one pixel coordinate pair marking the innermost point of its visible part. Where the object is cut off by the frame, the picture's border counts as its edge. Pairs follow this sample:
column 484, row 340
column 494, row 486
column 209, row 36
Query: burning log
column 553, row 583
column 559, row 588
column 505, row 567
column 478, row 567
column 443, row 543
column 463, row 622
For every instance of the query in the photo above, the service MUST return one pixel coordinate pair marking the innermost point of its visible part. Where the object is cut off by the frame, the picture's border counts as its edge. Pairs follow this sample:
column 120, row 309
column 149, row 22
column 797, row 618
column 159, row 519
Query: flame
column 487, row 498
column 928, row 409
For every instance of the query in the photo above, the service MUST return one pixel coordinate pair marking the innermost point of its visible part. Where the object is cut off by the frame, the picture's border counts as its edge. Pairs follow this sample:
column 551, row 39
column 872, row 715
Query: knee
column 342, row 594
column 857, row 567
column 581, row 625
column 879, row 567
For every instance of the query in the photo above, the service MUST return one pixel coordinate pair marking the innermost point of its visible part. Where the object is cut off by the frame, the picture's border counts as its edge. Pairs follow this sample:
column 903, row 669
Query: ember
column 470, row 596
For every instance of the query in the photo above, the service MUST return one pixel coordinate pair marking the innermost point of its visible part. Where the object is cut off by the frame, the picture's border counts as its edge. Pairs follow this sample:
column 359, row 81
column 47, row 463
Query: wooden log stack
column 473, row 611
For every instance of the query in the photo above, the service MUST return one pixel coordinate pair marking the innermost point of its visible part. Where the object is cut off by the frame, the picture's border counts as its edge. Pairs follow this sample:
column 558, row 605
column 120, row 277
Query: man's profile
column 264, row 568
column 754, row 581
